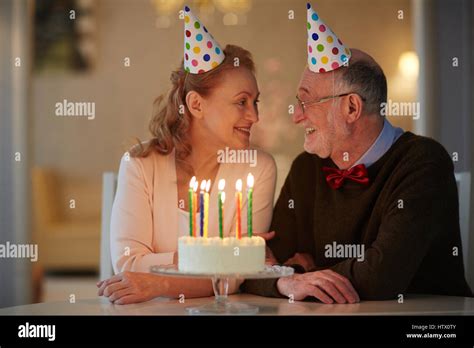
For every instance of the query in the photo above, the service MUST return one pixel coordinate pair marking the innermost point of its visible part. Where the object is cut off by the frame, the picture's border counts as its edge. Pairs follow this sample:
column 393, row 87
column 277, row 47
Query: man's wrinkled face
column 319, row 120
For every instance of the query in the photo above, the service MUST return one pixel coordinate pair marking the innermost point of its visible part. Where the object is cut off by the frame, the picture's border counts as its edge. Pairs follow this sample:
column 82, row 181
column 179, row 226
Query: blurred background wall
column 124, row 95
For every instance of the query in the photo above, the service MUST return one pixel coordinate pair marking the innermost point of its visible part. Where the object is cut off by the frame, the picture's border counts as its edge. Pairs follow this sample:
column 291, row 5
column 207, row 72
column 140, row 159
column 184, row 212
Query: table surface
column 412, row 305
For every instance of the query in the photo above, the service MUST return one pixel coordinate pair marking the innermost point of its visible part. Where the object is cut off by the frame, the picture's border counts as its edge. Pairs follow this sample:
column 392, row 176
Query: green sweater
column 407, row 219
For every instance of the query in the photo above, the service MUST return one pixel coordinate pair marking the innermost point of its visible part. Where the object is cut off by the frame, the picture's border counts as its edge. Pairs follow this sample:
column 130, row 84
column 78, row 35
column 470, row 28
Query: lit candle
column 220, row 204
column 206, row 207
column 250, row 182
column 201, row 207
column 195, row 207
column 238, row 206
column 222, row 213
column 191, row 209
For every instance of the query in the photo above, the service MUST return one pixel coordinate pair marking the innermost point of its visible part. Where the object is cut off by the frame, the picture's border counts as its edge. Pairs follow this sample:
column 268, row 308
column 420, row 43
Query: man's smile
column 309, row 130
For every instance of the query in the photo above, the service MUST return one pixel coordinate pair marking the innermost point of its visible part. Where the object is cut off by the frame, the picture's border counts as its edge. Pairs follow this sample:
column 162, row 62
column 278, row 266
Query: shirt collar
column 387, row 137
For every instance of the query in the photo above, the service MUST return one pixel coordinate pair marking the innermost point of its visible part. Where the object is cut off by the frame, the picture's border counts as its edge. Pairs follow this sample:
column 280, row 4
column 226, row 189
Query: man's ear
column 194, row 104
column 353, row 107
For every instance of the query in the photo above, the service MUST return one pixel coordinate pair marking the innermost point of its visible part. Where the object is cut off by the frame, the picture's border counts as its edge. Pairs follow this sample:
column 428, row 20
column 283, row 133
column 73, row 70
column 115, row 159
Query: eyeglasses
column 304, row 105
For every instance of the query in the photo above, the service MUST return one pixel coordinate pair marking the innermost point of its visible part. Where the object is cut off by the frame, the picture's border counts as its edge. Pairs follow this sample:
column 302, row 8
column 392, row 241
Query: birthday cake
column 221, row 255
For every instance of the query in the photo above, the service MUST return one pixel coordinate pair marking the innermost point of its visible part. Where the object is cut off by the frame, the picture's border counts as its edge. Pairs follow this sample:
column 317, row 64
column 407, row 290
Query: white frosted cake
column 221, row 255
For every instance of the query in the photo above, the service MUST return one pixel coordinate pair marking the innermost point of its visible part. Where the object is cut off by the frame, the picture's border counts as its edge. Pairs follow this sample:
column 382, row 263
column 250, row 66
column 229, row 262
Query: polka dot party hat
column 325, row 51
column 201, row 52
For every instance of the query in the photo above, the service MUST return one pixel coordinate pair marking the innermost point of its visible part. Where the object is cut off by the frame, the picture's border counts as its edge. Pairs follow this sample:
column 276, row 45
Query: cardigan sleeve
column 131, row 228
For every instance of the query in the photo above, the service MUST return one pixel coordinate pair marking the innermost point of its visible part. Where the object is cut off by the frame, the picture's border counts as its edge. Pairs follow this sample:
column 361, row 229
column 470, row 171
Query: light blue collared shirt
column 387, row 137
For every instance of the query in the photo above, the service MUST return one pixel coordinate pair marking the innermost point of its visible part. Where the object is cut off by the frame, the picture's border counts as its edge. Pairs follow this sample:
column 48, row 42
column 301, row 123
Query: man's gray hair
column 366, row 79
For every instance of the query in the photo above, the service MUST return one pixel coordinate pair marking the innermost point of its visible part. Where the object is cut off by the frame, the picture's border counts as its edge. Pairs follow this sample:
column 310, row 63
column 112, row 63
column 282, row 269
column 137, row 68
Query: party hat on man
column 202, row 53
column 326, row 51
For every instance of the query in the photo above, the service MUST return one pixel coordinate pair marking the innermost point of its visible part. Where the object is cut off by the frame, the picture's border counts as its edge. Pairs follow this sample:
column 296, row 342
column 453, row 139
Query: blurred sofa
column 68, row 236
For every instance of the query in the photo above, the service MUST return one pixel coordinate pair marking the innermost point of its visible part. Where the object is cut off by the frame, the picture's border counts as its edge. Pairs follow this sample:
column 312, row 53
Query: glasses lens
column 300, row 103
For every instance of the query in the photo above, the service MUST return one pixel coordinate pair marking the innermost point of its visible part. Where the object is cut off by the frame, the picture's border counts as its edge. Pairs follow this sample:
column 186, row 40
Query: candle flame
column 203, row 185
column 195, row 186
column 250, row 180
column 208, row 185
column 238, row 185
column 223, row 197
column 221, row 184
column 191, row 183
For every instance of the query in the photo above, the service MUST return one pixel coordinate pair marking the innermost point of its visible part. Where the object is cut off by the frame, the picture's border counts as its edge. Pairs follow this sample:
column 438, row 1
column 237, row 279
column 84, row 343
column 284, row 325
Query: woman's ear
column 194, row 104
column 353, row 107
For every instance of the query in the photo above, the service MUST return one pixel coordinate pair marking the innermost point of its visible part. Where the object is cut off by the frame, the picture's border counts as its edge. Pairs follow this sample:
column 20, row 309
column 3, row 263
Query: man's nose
column 298, row 115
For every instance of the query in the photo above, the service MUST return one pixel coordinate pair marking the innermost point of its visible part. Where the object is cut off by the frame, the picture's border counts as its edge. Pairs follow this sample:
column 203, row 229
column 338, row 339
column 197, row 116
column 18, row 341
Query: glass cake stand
column 220, row 284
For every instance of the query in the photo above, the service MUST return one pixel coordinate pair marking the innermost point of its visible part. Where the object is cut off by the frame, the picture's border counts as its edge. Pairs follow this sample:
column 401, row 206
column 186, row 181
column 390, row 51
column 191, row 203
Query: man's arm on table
column 291, row 245
column 287, row 246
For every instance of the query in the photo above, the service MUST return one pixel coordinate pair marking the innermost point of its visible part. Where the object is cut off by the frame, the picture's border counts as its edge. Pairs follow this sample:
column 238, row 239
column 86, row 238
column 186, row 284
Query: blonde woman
column 150, row 209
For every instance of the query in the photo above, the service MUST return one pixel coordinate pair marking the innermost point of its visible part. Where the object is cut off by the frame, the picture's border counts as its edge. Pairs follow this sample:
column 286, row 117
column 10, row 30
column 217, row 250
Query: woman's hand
column 129, row 287
column 175, row 258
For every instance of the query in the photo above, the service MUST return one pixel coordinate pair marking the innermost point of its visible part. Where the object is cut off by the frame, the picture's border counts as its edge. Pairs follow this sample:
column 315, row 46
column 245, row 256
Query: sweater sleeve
column 284, row 244
column 413, row 218
column 131, row 228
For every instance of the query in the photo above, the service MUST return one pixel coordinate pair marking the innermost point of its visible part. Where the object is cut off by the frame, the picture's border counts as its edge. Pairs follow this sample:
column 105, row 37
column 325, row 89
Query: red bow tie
column 336, row 177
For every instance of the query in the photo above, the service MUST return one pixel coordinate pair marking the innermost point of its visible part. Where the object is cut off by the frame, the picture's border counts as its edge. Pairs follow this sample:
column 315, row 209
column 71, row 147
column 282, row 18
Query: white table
column 413, row 305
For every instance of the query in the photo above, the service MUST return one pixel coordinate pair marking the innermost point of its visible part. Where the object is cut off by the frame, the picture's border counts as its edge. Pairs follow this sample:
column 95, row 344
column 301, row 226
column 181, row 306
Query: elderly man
column 368, row 211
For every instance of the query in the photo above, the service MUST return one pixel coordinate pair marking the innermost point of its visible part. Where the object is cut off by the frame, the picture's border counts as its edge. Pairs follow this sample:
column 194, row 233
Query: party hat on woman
column 202, row 53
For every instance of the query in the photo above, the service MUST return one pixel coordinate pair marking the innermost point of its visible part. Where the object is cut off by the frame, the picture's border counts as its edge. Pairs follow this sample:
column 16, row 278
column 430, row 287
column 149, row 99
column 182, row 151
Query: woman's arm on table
column 134, row 287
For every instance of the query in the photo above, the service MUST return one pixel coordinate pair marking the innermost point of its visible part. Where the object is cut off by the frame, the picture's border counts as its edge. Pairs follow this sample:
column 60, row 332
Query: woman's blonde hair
column 170, row 124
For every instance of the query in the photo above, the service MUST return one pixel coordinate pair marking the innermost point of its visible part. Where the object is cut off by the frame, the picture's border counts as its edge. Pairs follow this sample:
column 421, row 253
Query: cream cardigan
column 144, row 222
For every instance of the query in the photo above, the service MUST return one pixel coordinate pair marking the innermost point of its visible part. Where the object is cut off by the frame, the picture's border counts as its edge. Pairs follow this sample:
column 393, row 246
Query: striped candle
column 220, row 205
column 238, row 207
column 206, row 207
column 250, row 182
column 191, row 209
column 201, row 208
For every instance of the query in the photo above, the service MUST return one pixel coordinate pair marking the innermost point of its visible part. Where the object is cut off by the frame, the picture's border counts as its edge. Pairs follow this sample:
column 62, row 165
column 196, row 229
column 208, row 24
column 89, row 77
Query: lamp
column 408, row 65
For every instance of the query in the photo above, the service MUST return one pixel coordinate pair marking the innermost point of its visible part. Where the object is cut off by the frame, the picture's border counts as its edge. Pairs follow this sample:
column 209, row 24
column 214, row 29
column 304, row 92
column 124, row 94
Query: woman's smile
column 243, row 130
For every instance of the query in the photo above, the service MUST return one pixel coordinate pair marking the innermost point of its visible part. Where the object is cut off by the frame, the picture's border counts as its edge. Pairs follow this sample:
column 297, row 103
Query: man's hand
column 269, row 257
column 305, row 260
column 326, row 285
